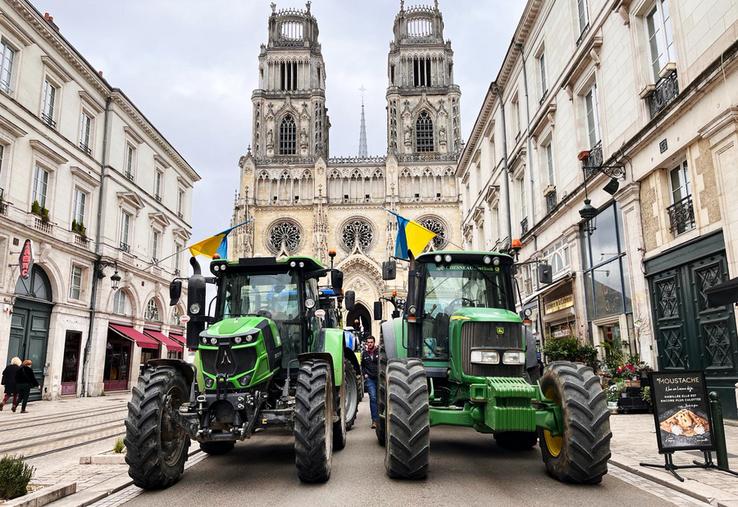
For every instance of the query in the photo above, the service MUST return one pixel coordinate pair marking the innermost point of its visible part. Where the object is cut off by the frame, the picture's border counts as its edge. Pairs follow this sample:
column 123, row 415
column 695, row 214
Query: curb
column 44, row 496
column 103, row 459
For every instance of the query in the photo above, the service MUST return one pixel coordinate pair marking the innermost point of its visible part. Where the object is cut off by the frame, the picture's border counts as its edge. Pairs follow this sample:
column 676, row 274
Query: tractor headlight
column 302, row 264
column 216, row 268
column 204, row 340
column 293, row 264
column 238, row 339
column 496, row 261
column 213, row 340
column 485, row 357
column 438, row 258
column 208, row 382
column 487, row 259
column 244, row 380
column 447, row 258
column 513, row 357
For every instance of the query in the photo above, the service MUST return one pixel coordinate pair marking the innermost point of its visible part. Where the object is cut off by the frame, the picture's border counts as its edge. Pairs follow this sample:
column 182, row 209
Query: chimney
column 50, row 20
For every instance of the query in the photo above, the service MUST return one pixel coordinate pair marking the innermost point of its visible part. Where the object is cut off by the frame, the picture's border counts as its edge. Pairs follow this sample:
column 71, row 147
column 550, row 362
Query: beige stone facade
column 304, row 202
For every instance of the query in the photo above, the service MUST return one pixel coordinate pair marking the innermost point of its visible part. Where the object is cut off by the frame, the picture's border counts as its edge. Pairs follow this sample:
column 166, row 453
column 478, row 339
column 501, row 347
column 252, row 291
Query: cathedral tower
column 422, row 99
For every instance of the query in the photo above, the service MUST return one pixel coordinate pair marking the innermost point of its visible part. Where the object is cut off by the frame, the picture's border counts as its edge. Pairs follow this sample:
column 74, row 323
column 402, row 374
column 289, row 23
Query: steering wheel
column 264, row 313
column 459, row 302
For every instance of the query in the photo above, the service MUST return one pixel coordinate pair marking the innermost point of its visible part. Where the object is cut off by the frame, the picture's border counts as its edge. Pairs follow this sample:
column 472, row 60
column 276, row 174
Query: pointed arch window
column 424, row 133
column 287, row 136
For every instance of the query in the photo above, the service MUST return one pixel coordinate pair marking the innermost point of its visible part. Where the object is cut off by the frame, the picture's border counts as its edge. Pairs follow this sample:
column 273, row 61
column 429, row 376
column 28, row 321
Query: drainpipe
column 505, row 168
column 98, row 236
column 531, row 198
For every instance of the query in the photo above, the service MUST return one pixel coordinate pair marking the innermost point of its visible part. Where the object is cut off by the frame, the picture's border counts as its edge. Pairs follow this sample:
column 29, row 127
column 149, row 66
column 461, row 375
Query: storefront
column 559, row 320
column 174, row 349
column 119, row 354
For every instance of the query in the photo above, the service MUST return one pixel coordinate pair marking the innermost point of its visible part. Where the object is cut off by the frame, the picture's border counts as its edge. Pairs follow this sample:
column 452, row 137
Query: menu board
column 681, row 411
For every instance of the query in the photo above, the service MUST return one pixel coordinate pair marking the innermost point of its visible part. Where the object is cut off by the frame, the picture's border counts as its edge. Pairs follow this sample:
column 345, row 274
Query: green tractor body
column 263, row 358
column 462, row 345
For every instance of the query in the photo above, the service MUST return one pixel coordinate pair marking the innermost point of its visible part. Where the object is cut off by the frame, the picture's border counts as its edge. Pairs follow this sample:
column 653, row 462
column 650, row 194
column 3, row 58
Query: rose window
column 284, row 235
column 435, row 225
column 357, row 230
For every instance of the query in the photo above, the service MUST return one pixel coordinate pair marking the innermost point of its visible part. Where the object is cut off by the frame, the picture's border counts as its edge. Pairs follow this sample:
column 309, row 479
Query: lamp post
column 615, row 172
column 115, row 278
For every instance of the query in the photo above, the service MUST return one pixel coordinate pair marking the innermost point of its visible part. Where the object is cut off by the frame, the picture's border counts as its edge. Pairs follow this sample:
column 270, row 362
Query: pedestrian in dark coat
column 370, row 368
column 25, row 380
column 8, row 380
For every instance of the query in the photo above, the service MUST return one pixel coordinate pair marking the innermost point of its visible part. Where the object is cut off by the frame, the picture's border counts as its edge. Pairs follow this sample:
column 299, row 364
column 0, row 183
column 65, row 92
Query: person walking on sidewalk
column 370, row 367
column 8, row 380
column 25, row 380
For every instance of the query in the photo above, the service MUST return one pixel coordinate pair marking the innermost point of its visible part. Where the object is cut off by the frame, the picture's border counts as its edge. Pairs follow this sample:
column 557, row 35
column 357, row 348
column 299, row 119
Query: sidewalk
column 634, row 442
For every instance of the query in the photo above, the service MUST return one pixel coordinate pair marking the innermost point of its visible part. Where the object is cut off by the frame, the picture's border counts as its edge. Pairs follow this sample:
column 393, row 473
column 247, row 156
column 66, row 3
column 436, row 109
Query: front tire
column 216, row 448
column 352, row 394
column 408, row 425
column 156, row 446
column 314, row 421
column 580, row 453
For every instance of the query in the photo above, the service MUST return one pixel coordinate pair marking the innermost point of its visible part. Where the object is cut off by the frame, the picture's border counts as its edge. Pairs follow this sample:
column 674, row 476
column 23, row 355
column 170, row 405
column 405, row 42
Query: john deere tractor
column 263, row 360
column 457, row 357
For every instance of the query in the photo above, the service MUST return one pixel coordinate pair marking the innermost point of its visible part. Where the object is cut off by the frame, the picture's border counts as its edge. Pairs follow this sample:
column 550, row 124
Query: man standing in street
column 370, row 367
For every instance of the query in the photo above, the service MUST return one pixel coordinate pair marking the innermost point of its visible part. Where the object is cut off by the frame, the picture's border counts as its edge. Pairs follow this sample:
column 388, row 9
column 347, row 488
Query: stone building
column 101, row 195
column 304, row 202
column 647, row 91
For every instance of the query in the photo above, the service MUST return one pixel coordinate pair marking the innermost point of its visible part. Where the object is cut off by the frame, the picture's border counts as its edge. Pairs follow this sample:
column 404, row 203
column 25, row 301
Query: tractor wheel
column 408, row 425
column 352, row 394
column 156, row 446
column 216, row 448
column 339, row 426
column 382, row 398
column 314, row 421
column 516, row 440
column 580, row 453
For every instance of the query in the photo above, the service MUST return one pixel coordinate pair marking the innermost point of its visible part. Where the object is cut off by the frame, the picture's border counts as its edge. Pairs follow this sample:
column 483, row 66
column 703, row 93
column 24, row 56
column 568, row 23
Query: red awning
column 143, row 341
column 172, row 346
column 178, row 338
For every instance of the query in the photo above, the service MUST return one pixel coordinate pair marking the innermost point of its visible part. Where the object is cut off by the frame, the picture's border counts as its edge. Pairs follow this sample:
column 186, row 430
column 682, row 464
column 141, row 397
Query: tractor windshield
column 271, row 295
column 451, row 287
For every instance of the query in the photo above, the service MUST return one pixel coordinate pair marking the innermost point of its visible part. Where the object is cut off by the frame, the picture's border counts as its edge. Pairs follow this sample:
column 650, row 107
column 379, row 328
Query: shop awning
column 172, row 345
column 143, row 341
column 178, row 338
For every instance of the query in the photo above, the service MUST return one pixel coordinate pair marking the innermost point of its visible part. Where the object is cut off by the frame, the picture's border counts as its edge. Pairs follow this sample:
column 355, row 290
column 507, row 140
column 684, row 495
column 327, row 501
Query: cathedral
column 299, row 200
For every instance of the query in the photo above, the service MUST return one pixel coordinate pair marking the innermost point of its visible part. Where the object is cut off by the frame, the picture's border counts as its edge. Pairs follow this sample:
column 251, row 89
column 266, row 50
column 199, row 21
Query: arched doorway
column 361, row 314
column 29, row 325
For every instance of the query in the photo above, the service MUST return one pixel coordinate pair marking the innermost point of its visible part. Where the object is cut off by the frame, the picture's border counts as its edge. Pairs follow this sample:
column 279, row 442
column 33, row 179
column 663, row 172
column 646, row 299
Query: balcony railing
column 3, row 204
column 180, row 214
column 666, row 90
column 48, row 120
column 129, row 175
column 157, row 197
column 550, row 201
column 125, row 247
column 85, row 148
column 681, row 216
column 593, row 160
column 524, row 226
column 82, row 241
column 40, row 225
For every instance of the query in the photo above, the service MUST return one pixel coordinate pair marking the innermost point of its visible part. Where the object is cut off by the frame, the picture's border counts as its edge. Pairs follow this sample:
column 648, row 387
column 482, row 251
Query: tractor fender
column 187, row 369
column 350, row 355
column 389, row 340
column 329, row 344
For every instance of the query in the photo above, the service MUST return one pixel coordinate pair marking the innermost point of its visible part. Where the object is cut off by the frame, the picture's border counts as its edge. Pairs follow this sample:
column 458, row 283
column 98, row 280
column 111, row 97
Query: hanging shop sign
column 25, row 259
column 681, row 411
column 559, row 304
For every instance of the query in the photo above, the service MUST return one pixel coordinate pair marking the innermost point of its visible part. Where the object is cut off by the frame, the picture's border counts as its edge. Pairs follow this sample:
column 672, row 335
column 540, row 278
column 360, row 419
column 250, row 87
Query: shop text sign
column 559, row 304
column 681, row 411
column 25, row 259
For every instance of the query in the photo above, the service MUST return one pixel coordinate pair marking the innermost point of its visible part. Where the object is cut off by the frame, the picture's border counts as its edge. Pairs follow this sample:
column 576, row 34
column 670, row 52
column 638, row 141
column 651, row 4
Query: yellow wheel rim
column 553, row 444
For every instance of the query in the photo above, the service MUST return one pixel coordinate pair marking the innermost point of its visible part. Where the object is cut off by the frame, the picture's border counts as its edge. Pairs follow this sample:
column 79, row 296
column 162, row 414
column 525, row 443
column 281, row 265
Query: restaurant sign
column 559, row 304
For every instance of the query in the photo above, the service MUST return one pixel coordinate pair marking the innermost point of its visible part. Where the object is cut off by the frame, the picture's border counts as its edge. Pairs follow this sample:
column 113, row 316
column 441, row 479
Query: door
column 29, row 336
column 692, row 336
column 70, row 365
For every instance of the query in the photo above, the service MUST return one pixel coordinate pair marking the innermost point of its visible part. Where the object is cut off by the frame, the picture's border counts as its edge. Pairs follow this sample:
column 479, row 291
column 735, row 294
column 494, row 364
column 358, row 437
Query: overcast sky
column 191, row 65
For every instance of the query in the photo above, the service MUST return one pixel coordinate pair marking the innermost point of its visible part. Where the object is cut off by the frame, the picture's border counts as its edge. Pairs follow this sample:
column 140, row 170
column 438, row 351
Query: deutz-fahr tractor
column 263, row 360
column 457, row 356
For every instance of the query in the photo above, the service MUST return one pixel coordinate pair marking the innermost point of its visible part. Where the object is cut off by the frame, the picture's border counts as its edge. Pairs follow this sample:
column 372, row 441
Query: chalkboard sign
column 681, row 411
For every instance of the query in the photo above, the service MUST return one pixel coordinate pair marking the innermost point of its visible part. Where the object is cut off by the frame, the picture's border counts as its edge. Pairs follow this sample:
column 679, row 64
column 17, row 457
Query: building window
column 557, row 256
column 660, row 37
column 157, row 185
column 2, row 154
column 7, row 57
column 681, row 211
column 152, row 311
column 40, row 186
column 421, row 72
column 284, row 235
column 550, row 163
column 75, row 287
column 424, row 133
column 178, row 248
column 542, row 74
column 130, row 161
column 180, row 202
column 287, row 136
column 120, row 303
column 125, row 230
column 357, row 230
column 155, row 241
column 593, row 117
column 392, row 75
column 515, row 117
column 80, row 202
column 85, row 132
column 436, row 225
column 582, row 15
column 288, row 76
column 523, row 207
column 48, row 105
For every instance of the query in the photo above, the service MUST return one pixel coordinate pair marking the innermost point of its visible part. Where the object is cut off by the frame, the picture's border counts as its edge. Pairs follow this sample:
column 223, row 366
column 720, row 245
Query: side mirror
column 545, row 274
column 337, row 280
column 389, row 270
column 349, row 300
column 175, row 292
column 377, row 310
column 195, row 309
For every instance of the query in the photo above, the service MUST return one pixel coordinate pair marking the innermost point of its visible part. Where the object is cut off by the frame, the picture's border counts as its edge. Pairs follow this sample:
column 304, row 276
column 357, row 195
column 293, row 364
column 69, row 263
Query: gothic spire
column 362, row 130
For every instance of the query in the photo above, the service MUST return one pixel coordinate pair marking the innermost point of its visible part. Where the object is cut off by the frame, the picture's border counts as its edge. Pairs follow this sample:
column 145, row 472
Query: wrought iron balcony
column 665, row 91
column 681, row 216
column 85, row 148
column 593, row 161
column 48, row 120
column 3, row 204
column 125, row 247
column 157, row 197
column 180, row 214
column 129, row 175
column 524, row 226
column 551, row 201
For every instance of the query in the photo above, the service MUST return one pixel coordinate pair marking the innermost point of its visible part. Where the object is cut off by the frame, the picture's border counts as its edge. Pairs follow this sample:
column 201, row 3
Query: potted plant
column 79, row 228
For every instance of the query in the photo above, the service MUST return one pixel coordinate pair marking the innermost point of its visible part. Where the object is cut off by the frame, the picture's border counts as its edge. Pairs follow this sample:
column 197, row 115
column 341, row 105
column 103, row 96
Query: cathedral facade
column 299, row 200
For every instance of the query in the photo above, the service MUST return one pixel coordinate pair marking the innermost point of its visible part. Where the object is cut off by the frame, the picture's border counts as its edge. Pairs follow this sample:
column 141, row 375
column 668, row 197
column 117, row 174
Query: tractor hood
column 237, row 326
column 486, row 315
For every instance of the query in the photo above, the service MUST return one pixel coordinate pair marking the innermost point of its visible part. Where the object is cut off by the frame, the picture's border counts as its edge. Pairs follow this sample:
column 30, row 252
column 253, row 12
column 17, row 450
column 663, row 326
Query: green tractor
column 457, row 356
column 264, row 360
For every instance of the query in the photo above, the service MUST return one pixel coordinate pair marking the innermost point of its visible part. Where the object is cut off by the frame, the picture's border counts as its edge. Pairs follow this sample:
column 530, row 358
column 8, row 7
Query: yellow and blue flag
column 217, row 244
column 411, row 237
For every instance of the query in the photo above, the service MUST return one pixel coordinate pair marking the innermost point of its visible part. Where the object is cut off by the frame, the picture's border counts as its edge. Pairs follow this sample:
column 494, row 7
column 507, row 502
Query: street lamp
column 115, row 278
column 615, row 172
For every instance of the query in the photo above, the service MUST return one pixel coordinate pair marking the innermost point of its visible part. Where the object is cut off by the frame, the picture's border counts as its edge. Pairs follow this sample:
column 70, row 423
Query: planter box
column 43, row 496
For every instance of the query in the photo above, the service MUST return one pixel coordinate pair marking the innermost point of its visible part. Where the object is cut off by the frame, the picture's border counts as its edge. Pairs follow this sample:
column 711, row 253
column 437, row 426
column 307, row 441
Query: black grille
column 485, row 334
column 227, row 360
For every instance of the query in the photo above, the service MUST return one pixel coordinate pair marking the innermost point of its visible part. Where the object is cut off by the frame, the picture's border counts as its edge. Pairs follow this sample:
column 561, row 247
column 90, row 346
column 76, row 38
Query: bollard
column 718, row 432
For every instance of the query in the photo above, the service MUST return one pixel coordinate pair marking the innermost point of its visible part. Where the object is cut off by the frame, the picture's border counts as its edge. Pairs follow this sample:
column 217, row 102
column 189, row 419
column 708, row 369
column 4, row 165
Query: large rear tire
column 381, row 429
column 339, row 425
column 580, row 453
column 516, row 440
column 216, row 448
column 156, row 446
column 408, row 425
column 314, row 421
column 352, row 394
